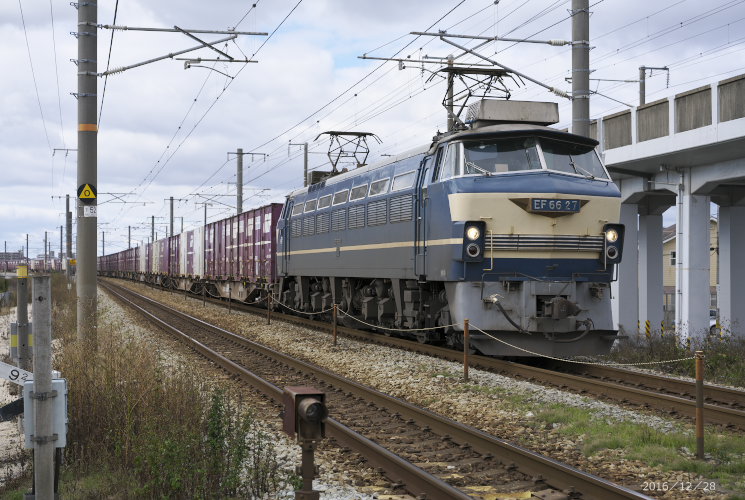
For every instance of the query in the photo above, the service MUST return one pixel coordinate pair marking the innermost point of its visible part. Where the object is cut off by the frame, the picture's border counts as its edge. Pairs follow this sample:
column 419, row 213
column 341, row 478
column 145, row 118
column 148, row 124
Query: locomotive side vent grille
column 339, row 220
column 377, row 212
column 322, row 223
column 514, row 242
column 297, row 228
column 402, row 208
column 309, row 226
column 356, row 216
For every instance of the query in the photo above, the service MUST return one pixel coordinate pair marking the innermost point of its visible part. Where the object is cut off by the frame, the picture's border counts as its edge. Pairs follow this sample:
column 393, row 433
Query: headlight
column 611, row 235
column 473, row 233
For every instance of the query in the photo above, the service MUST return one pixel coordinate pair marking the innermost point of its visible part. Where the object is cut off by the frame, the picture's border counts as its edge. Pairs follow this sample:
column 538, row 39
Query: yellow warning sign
column 73, row 262
column 86, row 192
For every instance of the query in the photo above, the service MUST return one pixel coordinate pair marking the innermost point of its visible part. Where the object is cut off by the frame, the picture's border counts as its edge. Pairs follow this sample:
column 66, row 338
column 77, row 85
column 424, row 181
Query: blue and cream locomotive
column 509, row 223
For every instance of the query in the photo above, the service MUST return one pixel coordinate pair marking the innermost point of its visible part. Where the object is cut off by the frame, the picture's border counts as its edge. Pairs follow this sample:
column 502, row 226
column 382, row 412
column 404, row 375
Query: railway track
column 723, row 406
column 425, row 453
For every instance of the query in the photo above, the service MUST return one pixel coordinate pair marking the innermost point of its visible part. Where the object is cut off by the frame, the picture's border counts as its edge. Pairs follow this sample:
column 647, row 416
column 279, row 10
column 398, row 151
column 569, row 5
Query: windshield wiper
column 577, row 169
column 476, row 167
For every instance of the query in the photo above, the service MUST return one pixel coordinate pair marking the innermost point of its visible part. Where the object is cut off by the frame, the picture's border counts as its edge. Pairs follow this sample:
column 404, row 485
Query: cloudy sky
column 166, row 131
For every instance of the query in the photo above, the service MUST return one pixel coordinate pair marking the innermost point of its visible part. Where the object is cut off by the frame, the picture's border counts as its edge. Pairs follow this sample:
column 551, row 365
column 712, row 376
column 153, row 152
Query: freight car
column 509, row 223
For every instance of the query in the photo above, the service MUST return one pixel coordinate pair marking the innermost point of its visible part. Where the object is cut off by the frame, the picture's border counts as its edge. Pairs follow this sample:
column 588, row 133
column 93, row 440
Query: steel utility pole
column 129, row 236
column 26, row 249
column 643, row 81
column 87, row 167
column 152, row 229
column 171, row 215
column 60, row 247
column 581, row 67
column 305, row 159
column 103, row 243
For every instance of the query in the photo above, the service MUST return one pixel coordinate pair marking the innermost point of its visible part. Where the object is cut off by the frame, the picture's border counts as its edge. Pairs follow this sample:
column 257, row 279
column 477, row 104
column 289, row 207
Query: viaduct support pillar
column 651, row 290
column 627, row 287
column 693, row 295
column 732, row 269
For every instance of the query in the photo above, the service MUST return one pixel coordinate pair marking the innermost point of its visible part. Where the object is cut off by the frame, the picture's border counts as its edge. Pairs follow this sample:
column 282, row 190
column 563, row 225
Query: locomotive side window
column 358, row 192
column 324, row 202
column 572, row 158
column 450, row 165
column 341, row 197
column 493, row 157
column 403, row 181
column 297, row 209
column 438, row 163
column 378, row 187
column 310, row 205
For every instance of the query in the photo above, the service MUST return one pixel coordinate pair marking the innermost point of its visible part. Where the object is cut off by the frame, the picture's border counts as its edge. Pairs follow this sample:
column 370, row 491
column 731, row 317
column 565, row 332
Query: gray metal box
column 500, row 111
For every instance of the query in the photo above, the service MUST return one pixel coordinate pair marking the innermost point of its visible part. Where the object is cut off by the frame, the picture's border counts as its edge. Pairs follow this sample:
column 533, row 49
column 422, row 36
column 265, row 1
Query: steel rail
column 677, row 405
column 557, row 474
column 416, row 480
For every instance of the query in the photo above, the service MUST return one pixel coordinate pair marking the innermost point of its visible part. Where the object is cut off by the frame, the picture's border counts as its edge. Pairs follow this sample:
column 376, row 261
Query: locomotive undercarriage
column 389, row 306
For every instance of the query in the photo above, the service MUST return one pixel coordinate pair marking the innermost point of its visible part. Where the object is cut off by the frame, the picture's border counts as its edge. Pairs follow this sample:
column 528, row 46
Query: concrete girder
column 706, row 179
column 731, row 269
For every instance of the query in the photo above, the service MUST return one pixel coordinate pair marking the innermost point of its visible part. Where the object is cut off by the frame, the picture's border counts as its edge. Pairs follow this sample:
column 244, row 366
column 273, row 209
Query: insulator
column 559, row 43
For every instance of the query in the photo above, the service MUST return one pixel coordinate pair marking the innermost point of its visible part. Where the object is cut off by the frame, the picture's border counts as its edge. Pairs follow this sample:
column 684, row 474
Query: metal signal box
column 59, row 423
column 305, row 413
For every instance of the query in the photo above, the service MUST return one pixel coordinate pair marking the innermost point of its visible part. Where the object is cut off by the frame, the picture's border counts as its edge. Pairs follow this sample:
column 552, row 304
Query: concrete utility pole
column 581, row 67
column 87, row 69
column 171, row 215
column 103, row 243
column 43, row 397
column 45, row 252
column 24, row 352
column 129, row 236
column 239, row 183
column 27, row 249
column 68, row 217
column 60, row 246
column 152, row 228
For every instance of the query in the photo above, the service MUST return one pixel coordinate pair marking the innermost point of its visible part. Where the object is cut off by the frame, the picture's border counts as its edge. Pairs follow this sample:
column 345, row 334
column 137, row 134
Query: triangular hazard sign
column 87, row 193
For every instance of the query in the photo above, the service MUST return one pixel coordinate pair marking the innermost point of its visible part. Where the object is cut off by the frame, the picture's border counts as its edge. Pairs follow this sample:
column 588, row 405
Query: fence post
column 700, row 404
column 44, row 440
column 230, row 299
column 333, row 323
column 466, row 344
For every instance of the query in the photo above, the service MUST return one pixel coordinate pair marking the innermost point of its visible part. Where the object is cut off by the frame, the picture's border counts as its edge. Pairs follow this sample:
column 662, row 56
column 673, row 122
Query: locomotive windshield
column 512, row 155
column 501, row 156
column 572, row 158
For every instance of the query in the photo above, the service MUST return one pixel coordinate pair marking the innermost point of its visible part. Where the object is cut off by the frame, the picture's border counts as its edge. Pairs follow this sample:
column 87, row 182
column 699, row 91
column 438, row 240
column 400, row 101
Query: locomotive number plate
column 549, row 205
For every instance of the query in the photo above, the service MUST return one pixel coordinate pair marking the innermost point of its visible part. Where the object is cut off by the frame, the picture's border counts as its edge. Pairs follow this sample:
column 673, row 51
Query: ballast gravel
column 499, row 405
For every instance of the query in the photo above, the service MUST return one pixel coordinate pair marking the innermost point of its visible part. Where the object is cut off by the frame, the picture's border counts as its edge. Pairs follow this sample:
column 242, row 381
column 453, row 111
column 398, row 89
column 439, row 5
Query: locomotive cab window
column 572, row 158
column 297, row 209
column 378, row 187
column 358, row 192
column 497, row 156
column 324, row 201
column 341, row 197
column 310, row 205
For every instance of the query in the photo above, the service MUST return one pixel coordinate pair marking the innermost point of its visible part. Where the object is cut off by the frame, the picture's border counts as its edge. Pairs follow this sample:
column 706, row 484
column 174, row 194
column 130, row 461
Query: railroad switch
column 305, row 416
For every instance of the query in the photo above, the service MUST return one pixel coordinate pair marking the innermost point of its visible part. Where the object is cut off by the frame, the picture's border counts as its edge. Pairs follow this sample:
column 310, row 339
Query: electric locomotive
column 508, row 223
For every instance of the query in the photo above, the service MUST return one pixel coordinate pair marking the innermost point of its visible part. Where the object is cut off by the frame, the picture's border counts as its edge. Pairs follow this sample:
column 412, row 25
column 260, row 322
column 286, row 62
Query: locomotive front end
column 535, row 240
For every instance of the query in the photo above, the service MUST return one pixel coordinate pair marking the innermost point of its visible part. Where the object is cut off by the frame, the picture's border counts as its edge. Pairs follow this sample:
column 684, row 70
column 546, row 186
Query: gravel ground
column 437, row 385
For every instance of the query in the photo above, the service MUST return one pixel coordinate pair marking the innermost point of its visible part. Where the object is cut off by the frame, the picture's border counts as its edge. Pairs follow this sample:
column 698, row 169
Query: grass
column 138, row 430
column 673, row 451
column 724, row 360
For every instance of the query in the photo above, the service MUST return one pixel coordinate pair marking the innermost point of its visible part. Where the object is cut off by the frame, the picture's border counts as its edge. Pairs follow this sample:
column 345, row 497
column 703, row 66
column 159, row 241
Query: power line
column 33, row 75
column 108, row 62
